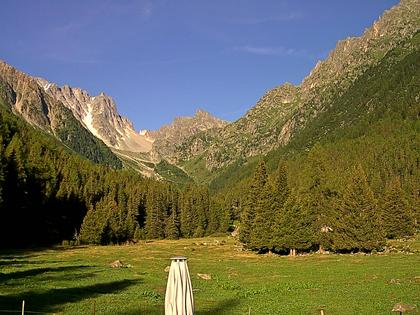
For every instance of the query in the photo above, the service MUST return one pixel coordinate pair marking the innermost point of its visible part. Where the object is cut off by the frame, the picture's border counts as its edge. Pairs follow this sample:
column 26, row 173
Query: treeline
column 343, row 197
column 156, row 212
column 49, row 194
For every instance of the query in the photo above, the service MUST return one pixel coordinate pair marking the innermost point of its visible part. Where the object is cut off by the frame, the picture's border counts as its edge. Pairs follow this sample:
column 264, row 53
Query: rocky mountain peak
column 285, row 110
column 201, row 113
column 168, row 137
column 353, row 55
column 99, row 115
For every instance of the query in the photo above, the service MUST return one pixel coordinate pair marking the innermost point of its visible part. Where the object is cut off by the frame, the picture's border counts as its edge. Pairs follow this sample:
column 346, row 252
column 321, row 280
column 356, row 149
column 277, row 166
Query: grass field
column 71, row 280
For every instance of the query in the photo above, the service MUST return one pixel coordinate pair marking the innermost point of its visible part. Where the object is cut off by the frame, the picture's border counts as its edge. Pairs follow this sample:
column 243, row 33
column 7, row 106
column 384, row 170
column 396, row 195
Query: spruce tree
column 261, row 233
column 200, row 211
column 280, row 193
column 155, row 213
column 295, row 226
column 92, row 230
column 172, row 226
column 358, row 225
column 252, row 201
column 215, row 215
column 186, row 209
column 397, row 217
column 317, row 194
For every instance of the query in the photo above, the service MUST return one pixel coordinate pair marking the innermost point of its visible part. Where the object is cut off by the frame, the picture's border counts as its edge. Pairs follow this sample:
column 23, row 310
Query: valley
column 308, row 202
column 67, row 280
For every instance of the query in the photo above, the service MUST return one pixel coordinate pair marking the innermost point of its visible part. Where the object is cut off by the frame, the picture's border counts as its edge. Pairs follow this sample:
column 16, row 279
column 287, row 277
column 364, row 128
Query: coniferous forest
column 50, row 194
column 345, row 196
column 346, row 182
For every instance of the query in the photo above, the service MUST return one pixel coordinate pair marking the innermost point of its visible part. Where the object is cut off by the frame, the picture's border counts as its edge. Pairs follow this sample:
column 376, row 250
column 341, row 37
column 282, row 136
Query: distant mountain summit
column 22, row 95
column 72, row 115
column 99, row 115
column 168, row 137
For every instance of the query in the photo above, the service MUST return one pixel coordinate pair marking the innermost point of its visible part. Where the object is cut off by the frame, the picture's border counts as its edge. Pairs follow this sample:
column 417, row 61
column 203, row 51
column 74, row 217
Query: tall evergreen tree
column 200, row 210
column 186, row 208
column 155, row 214
column 261, row 233
column 253, row 203
column 94, row 226
column 294, row 226
column 280, row 193
column 318, row 195
column 397, row 216
column 172, row 225
column 358, row 225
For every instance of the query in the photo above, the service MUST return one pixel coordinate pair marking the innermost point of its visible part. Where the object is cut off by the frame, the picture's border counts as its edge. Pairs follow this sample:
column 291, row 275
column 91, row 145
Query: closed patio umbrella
column 179, row 296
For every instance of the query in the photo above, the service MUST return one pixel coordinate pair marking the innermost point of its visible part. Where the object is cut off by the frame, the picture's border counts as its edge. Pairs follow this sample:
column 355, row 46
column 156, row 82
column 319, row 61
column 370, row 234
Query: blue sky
column 164, row 58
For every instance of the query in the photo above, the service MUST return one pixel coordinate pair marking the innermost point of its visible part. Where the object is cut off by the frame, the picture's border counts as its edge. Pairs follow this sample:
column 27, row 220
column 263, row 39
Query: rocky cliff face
column 284, row 111
column 168, row 137
column 57, row 110
column 204, row 141
column 24, row 97
column 99, row 115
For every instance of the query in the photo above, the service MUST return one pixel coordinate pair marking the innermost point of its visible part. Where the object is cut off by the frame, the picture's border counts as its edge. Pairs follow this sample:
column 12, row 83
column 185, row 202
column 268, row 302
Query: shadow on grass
column 28, row 252
column 145, row 310
column 51, row 300
column 223, row 307
column 17, row 262
column 38, row 271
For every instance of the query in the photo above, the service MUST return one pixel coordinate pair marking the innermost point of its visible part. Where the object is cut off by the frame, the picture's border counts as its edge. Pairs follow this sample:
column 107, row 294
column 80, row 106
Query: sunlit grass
column 72, row 280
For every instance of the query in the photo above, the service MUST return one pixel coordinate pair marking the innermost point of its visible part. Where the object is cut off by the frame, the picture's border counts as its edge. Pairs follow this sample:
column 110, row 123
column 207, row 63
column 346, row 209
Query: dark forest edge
column 49, row 194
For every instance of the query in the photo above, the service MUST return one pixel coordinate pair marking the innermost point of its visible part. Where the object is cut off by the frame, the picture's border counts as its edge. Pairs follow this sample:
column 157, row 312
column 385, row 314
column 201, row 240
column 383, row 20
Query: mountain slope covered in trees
column 332, row 164
column 288, row 112
column 341, row 173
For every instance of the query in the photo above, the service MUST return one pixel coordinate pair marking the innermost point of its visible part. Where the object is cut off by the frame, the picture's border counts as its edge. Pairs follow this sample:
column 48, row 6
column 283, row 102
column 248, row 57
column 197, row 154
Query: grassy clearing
column 70, row 280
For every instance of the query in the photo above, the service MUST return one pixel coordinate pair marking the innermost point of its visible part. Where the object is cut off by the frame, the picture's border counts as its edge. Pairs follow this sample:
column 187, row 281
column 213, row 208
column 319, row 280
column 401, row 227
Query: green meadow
column 79, row 280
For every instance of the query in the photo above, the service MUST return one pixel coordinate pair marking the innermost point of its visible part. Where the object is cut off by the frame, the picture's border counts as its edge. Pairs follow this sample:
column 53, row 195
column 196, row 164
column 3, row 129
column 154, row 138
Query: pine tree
column 200, row 210
column 117, row 232
column 397, row 217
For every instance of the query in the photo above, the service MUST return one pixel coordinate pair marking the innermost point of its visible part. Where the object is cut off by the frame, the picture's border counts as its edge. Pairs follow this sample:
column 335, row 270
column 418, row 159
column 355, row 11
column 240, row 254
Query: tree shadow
column 145, row 310
column 37, row 271
column 50, row 300
column 223, row 307
column 18, row 262
column 14, row 255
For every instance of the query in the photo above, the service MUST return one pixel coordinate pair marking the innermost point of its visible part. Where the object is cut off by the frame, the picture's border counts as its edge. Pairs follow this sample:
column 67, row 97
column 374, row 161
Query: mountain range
column 202, row 148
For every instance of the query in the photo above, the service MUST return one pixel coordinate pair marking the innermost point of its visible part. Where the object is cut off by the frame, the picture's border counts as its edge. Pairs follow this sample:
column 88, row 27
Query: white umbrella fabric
column 179, row 296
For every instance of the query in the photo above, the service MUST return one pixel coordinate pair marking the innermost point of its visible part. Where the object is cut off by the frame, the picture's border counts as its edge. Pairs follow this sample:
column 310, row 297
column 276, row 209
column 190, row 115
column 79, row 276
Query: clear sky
column 165, row 58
